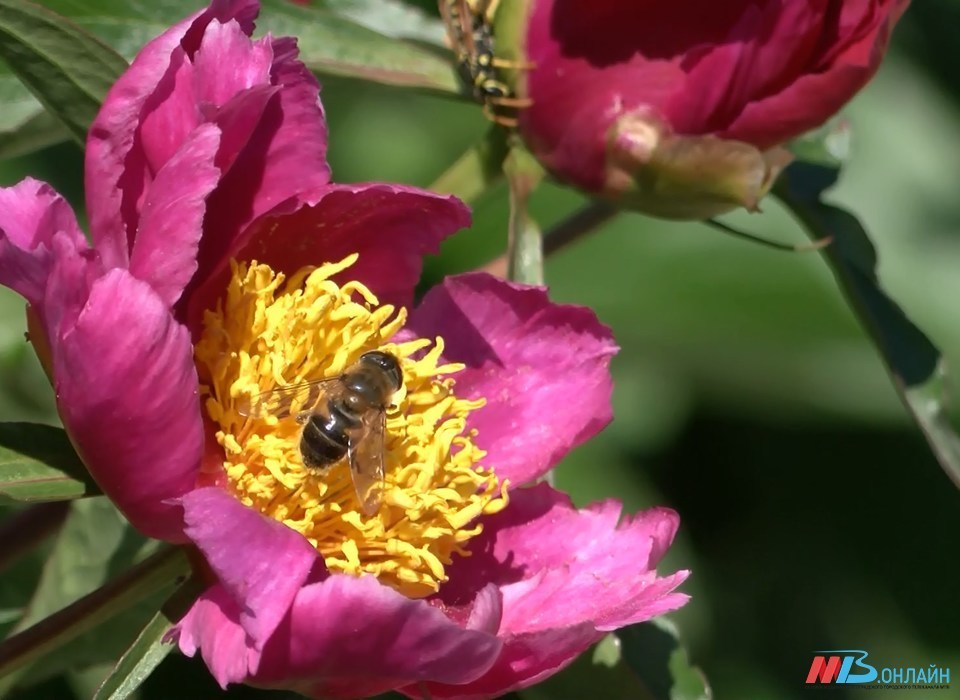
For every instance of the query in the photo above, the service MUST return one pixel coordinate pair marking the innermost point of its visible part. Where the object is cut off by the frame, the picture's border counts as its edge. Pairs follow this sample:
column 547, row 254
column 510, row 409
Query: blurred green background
column 747, row 397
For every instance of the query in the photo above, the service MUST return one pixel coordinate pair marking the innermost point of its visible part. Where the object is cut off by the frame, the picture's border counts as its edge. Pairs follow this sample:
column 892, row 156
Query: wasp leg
column 505, row 122
column 500, row 119
column 510, row 102
column 485, row 9
column 510, row 64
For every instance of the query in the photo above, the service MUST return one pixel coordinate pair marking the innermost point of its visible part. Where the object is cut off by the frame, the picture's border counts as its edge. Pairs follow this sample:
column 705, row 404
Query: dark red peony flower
column 674, row 107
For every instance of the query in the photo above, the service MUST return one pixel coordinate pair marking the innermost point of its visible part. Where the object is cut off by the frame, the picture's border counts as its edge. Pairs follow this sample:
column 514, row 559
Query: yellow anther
column 268, row 332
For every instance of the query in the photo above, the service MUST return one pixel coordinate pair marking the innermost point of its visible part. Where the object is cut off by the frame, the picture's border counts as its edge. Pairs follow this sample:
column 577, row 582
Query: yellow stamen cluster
column 270, row 332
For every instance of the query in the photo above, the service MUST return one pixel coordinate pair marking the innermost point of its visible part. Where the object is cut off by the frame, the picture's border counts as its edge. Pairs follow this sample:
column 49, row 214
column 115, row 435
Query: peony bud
column 680, row 109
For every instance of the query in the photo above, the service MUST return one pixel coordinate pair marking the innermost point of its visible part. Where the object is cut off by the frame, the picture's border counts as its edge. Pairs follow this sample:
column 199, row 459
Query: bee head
column 386, row 362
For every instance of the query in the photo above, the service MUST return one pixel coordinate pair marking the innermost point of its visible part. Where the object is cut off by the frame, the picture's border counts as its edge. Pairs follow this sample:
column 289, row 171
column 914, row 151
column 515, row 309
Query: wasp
column 470, row 31
column 342, row 417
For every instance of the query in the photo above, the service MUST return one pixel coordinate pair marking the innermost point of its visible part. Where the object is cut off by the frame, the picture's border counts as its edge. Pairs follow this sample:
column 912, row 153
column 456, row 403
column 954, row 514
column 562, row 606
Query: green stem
column 149, row 648
column 133, row 586
column 525, row 250
column 524, row 237
column 767, row 243
column 582, row 222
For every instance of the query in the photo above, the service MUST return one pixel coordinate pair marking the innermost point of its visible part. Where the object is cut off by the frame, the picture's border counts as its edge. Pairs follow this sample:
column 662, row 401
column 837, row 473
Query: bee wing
column 366, row 462
column 287, row 400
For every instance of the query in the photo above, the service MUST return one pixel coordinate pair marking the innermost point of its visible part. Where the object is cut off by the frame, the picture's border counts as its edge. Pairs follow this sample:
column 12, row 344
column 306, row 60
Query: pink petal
column 286, row 153
column 168, row 117
column 127, row 392
column 260, row 562
column 860, row 38
column 24, row 271
column 343, row 638
column 44, row 256
column 212, row 626
column 348, row 637
column 542, row 368
column 482, row 611
column 117, row 169
column 391, row 226
column 68, row 284
column 566, row 576
column 275, row 143
column 771, row 120
column 165, row 249
column 33, row 213
column 740, row 64
column 559, row 566
column 228, row 63
column 526, row 660
column 200, row 83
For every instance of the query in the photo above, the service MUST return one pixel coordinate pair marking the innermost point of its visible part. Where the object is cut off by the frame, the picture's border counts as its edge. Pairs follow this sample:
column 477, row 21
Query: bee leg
column 303, row 417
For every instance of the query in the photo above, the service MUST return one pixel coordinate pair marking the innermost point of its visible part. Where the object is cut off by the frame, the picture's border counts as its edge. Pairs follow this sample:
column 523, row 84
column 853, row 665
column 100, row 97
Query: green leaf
column 149, row 649
column 914, row 363
column 126, row 27
column 24, row 127
column 601, row 668
column 67, row 69
column 642, row 662
column 329, row 40
column 9, row 615
column 350, row 38
column 332, row 44
column 829, row 145
column 652, row 651
column 89, row 603
column 77, row 565
column 38, row 463
column 393, row 18
column 35, row 134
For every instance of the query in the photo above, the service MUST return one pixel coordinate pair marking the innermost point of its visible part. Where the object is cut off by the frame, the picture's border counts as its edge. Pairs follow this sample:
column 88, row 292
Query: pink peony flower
column 225, row 263
column 617, row 84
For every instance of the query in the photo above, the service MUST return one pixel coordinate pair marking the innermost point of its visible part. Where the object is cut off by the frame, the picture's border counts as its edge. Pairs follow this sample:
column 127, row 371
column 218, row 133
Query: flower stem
column 525, row 251
column 27, row 528
column 150, row 647
column 583, row 221
column 525, row 239
column 140, row 582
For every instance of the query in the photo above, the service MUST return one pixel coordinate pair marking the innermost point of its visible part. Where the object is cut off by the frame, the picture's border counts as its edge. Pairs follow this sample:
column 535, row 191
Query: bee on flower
column 179, row 344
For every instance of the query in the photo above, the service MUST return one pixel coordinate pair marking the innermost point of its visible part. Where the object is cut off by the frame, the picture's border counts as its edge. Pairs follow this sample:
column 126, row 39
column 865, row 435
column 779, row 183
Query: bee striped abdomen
column 343, row 418
column 325, row 438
